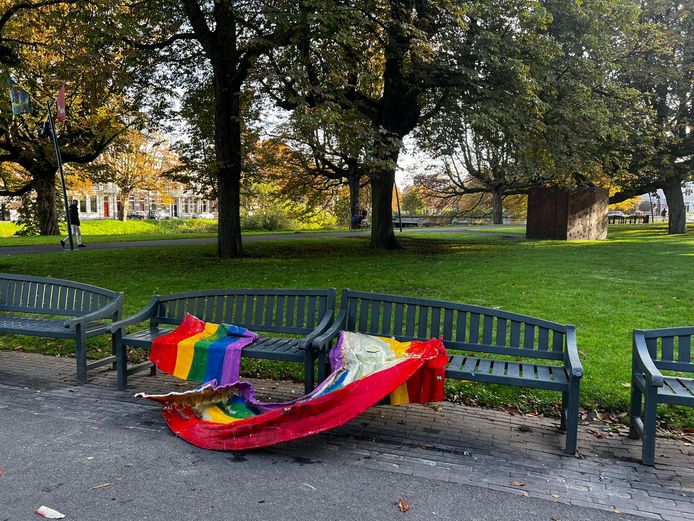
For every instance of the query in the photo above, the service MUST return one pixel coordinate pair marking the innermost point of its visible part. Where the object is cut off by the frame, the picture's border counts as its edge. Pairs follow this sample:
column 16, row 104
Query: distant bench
column 301, row 313
column 628, row 219
column 512, row 344
column 33, row 306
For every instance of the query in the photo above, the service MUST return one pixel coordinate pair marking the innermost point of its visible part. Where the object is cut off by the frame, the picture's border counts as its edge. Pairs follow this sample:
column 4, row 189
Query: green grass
column 639, row 278
column 106, row 230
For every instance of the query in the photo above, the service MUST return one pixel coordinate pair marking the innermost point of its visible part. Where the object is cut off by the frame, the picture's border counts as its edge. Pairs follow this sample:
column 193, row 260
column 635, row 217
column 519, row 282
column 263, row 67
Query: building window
column 83, row 206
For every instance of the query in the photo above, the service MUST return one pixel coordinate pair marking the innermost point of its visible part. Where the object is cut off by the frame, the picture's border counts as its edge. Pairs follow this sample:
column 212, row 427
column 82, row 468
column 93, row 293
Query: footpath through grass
column 639, row 278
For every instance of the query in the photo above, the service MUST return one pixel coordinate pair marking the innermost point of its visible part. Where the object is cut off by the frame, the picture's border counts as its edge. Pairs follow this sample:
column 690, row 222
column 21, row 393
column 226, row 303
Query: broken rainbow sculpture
column 224, row 414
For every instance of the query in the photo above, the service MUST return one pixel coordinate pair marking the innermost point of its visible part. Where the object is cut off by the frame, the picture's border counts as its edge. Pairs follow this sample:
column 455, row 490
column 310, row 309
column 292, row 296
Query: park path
column 50, row 248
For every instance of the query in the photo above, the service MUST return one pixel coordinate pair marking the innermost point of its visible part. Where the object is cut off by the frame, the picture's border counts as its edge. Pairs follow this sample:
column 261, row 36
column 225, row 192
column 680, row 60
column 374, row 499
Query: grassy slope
column 639, row 278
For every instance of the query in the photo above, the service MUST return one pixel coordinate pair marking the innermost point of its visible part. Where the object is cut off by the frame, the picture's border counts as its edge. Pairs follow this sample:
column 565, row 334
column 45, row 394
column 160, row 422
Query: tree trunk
column 382, row 234
column 228, row 149
column 497, row 204
column 46, row 202
column 353, row 181
column 677, row 217
column 123, row 201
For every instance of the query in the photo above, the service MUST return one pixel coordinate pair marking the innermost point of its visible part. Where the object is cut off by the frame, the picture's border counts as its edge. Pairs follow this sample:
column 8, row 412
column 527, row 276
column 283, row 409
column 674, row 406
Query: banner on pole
column 21, row 101
column 60, row 104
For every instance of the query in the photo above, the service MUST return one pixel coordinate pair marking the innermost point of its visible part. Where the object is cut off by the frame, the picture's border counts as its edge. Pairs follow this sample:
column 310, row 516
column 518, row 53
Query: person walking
column 74, row 224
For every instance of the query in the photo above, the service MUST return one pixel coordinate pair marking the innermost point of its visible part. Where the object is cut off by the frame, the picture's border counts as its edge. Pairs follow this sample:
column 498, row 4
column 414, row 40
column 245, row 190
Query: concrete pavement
column 93, row 452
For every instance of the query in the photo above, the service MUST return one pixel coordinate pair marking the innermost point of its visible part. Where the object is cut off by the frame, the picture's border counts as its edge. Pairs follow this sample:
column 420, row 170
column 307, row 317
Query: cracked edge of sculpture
column 227, row 416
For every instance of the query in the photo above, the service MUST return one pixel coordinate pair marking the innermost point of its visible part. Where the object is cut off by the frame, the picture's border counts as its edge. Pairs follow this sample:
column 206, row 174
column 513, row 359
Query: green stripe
column 198, row 368
column 236, row 408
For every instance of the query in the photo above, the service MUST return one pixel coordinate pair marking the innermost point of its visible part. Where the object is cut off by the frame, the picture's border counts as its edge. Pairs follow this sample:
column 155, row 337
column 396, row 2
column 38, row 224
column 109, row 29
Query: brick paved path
column 452, row 443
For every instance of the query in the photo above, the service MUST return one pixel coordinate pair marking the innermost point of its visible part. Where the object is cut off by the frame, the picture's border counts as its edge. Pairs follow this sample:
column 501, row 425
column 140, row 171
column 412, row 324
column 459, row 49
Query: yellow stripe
column 186, row 351
column 399, row 348
column 216, row 415
column 400, row 395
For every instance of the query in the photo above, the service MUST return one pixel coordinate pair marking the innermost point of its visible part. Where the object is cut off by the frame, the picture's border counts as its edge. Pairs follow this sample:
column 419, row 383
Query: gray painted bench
column 304, row 314
column 33, row 306
column 657, row 350
column 467, row 332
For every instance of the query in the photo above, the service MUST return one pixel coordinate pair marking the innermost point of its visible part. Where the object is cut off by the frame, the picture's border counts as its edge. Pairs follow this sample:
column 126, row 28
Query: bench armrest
column 571, row 359
column 140, row 316
column 107, row 311
column 322, row 342
column 642, row 361
column 307, row 341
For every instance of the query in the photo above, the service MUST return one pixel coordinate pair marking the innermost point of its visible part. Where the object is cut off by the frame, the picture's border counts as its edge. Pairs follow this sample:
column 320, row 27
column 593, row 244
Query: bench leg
column 564, row 410
column 81, row 353
column 572, row 416
column 635, row 410
column 121, row 361
column 309, row 358
column 649, row 424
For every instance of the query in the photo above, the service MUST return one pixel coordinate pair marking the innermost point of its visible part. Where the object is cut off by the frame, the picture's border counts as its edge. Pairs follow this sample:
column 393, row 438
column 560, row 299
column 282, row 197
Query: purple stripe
column 232, row 360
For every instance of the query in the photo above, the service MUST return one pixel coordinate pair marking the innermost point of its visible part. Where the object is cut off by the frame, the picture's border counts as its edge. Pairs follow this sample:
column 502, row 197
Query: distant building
column 102, row 202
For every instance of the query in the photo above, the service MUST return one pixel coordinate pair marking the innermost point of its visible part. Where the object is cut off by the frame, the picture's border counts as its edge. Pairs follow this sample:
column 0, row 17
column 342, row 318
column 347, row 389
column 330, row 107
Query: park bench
column 468, row 331
column 304, row 314
column 33, row 306
column 657, row 350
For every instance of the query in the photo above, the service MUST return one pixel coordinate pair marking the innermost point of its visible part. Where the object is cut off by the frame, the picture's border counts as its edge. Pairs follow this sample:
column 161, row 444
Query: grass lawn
column 106, row 230
column 639, row 278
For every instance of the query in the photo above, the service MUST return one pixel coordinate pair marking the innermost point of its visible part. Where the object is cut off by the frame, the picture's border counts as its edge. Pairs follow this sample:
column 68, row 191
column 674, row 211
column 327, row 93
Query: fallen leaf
column 518, row 483
column 626, row 384
column 403, row 505
column 616, row 510
column 688, row 430
column 525, row 493
column 555, row 496
column 2, row 472
column 103, row 485
column 90, row 457
column 49, row 513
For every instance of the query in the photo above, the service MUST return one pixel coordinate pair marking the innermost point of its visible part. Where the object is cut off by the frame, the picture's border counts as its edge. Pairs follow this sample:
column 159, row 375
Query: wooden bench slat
column 667, row 348
column 423, row 322
column 435, row 322
column 474, row 335
column 461, row 326
column 375, row 318
column 684, row 348
column 387, row 316
column 410, row 320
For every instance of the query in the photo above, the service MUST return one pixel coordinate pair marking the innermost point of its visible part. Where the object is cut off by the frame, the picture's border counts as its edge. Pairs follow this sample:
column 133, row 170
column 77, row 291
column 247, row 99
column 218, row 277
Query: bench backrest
column 292, row 311
column 48, row 296
column 463, row 327
column 670, row 348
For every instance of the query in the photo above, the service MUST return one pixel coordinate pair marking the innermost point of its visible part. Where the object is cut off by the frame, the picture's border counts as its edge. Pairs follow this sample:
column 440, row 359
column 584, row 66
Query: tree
column 135, row 161
column 389, row 62
column 662, row 69
column 51, row 44
column 411, row 201
column 230, row 36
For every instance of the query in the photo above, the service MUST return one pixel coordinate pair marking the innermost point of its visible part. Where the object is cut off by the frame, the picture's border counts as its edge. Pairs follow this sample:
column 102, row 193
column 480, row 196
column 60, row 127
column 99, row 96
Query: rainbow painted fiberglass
column 224, row 414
